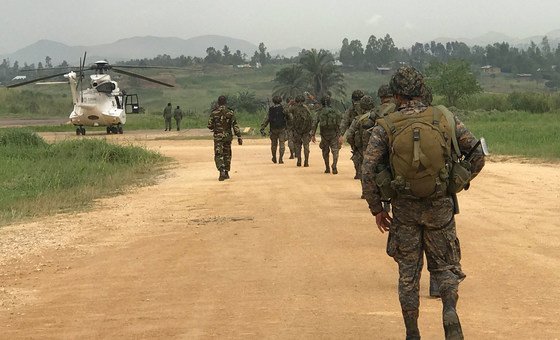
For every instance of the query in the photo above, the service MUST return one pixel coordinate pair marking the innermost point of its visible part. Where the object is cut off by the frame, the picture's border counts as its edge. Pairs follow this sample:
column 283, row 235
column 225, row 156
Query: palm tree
column 322, row 74
column 291, row 81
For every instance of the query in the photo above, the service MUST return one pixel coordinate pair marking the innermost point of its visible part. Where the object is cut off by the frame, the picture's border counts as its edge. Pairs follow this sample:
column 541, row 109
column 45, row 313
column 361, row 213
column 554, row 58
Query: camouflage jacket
column 300, row 119
column 348, row 116
column 222, row 120
column 324, row 114
column 377, row 153
column 178, row 114
column 358, row 133
column 168, row 112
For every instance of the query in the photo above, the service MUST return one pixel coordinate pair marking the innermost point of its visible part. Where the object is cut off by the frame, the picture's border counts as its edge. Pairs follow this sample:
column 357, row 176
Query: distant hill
column 126, row 49
column 496, row 37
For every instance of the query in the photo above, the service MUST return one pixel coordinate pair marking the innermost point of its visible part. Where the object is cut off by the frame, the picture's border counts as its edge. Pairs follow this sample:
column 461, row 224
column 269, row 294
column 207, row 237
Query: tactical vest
column 329, row 118
column 302, row 120
column 276, row 117
column 420, row 155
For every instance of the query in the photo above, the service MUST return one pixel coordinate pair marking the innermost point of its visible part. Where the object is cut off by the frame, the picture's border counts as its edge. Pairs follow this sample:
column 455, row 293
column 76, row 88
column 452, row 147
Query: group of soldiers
column 410, row 158
column 168, row 113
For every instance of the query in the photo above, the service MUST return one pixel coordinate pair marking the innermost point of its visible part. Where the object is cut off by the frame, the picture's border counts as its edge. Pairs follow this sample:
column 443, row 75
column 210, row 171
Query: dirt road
column 276, row 252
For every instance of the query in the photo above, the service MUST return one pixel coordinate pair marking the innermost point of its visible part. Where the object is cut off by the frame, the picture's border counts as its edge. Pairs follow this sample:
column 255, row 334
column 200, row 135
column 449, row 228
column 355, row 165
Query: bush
column 532, row 102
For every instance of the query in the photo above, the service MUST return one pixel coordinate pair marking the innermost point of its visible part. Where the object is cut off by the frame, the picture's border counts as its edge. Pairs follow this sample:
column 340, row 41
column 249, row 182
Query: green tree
column 291, row 81
column 453, row 80
column 323, row 76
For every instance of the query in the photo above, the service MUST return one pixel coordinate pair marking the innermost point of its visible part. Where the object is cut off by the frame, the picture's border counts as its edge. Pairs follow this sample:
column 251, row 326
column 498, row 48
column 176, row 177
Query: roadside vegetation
column 38, row 178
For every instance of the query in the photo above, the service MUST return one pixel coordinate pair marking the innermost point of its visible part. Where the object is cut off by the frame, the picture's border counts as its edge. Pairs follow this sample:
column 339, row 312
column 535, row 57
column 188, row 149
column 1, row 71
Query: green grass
column 37, row 178
column 518, row 133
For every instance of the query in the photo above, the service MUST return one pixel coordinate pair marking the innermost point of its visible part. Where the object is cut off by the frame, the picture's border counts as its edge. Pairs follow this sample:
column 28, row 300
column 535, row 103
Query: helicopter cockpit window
column 107, row 87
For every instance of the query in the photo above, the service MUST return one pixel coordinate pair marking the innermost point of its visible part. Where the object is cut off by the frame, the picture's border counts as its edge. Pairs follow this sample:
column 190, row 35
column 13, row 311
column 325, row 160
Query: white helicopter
column 103, row 103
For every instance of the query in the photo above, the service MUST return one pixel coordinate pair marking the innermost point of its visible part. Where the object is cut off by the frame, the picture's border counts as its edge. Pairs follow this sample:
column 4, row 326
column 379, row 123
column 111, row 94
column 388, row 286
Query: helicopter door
column 131, row 103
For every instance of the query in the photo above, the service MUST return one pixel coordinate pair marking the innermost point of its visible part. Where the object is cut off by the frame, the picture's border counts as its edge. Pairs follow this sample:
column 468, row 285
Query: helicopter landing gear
column 80, row 131
column 115, row 129
column 120, row 129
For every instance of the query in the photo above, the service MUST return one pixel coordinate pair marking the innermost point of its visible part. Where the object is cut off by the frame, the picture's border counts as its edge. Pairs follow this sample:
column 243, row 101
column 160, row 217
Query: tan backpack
column 421, row 154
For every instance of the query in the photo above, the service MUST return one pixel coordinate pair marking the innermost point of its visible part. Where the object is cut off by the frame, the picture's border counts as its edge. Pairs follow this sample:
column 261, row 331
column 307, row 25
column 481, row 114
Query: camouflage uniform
column 167, row 115
column 178, row 115
column 301, row 120
column 290, row 132
column 420, row 224
column 222, row 120
column 330, row 134
column 278, row 134
column 347, row 119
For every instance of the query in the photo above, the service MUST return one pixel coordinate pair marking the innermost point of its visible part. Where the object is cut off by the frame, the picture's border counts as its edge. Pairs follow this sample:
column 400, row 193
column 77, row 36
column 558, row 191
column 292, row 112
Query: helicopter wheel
column 83, row 131
column 108, row 130
column 120, row 129
column 78, row 131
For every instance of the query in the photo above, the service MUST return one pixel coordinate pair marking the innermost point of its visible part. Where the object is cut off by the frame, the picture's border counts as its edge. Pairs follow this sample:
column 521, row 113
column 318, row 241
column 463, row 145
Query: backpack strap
column 451, row 120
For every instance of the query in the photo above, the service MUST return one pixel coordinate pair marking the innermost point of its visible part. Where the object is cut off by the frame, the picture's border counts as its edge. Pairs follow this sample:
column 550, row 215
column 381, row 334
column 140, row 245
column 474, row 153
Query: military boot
column 292, row 155
column 434, row 289
column 327, row 168
column 227, row 174
column 411, row 324
column 451, row 323
column 274, row 156
column 335, row 162
column 281, row 160
column 223, row 175
column 298, row 161
column 306, row 161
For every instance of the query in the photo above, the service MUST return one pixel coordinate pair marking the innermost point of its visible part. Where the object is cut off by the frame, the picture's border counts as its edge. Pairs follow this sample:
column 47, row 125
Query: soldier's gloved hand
column 263, row 133
column 239, row 141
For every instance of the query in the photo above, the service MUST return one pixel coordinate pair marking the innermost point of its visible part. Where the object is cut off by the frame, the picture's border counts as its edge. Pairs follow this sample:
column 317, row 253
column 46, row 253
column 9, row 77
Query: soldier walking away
column 301, row 121
column 358, row 133
column 278, row 135
column 329, row 121
column 167, row 114
column 387, row 102
column 347, row 119
column 222, row 121
column 414, row 158
column 289, row 128
column 178, row 115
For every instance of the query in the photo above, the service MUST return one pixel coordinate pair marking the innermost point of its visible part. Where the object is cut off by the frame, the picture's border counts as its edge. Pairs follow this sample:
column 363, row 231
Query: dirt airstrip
column 276, row 252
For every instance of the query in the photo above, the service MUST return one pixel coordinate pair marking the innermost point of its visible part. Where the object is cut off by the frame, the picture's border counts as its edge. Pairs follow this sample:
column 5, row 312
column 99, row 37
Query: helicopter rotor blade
column 36, row 79
column 82, row 65
column 160, row 67
column 131, row 74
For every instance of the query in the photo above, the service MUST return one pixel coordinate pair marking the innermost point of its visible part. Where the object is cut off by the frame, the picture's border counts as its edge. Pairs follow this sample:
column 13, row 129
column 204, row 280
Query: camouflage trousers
column 330, row 144
column 290, row 136
column 301, row 140
column 222, row 154
column 167, row 123
column 425, row 226
column 278, row 136
column 357, row 158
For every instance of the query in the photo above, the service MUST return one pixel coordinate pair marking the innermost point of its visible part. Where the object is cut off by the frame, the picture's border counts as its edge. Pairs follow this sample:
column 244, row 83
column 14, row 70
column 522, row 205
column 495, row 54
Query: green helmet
column 384, row 91
column 276, row 99
column 300, row 98
column 367, row 103
column 407, row 81
column 357, row 95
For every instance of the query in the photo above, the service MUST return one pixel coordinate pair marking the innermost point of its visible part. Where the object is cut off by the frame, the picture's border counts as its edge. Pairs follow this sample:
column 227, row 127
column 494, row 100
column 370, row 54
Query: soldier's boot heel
column 335, row 162
column 281, row 159
column 291, row 155
column 227, row 174
column 451, row 324
column 298, row 161
column 327, row 168
column 222, row 175
column 411, row 324
column 306, row 161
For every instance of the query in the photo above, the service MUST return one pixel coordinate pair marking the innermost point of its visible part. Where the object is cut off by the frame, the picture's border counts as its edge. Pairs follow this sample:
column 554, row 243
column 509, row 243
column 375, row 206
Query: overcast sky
column 279, row 24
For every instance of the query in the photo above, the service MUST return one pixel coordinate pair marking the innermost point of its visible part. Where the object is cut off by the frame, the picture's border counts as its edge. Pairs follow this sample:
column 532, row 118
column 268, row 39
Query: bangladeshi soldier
column 347, row 119
column 276, row 117
column 329, row 120
column 386, row 98
column 167, row 115
column 301, row 120
column 178, row 115
column 222, row 121
column 412, row 158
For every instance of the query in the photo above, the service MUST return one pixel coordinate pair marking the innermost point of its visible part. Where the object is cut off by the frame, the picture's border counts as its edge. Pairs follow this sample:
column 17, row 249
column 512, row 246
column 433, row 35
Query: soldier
column 387, row 103
column 277, row 119
column 412, row 164
column 347, row 119
column 329, row 121
column 222, row 121
column 178, row 115
column 301, row 121
column 289, row 129
column 357, row 134
column 167, row 114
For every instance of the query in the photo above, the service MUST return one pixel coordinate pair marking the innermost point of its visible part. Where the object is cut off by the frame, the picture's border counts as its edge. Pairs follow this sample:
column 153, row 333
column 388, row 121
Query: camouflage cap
column 384, row 91
column 367, row 103
column 357, row 95
column 407, row 81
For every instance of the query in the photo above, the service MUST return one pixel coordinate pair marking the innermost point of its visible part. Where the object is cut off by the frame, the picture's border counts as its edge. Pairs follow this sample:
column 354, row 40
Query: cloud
column 408, row 25
column 374, row 19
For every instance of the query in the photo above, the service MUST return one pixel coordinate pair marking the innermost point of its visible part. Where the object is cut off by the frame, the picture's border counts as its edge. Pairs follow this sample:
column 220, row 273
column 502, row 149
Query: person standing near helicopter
column 167, row 115
column 178, row 115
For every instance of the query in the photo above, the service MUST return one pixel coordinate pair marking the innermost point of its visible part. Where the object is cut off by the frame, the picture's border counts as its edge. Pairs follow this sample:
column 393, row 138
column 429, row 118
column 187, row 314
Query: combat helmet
column 300, row 98
column 427, row 97
column 384, row 91
column 326, row 100
column 367, row 103
column 357, row 95
column 407, row 82
column 276, row 99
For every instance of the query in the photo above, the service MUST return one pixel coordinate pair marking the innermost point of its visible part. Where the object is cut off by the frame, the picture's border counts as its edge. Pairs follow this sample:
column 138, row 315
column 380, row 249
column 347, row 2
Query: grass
column 37, row 178
column 518, row 133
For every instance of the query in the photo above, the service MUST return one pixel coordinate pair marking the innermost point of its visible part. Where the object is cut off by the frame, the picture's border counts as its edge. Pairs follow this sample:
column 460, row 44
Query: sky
column 279, row 24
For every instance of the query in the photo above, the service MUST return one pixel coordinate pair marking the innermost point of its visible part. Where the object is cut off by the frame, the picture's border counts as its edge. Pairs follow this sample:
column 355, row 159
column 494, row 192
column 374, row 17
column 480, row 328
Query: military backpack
column 276, row 117
column 329, row 118
column 423, row 151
